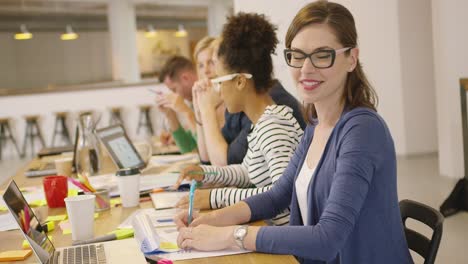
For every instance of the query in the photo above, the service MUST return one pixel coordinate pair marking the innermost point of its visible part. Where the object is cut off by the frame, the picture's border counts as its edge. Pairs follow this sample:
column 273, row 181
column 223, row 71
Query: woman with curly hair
column 341, row 182
column 244, row 69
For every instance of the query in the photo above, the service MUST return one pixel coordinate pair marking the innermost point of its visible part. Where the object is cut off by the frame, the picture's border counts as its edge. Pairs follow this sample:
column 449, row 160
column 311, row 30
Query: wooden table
column 109, row 220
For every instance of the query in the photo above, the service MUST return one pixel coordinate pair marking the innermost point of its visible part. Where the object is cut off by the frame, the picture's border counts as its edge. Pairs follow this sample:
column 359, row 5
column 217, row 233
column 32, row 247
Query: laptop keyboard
column 87, row 254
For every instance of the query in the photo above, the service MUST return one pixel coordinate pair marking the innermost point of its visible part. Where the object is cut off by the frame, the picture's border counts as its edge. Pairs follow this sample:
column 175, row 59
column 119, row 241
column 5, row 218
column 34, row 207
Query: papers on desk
column 159, row 218
column 147, row 182
column 165, row 200
column 168, row 159
column 162, row 241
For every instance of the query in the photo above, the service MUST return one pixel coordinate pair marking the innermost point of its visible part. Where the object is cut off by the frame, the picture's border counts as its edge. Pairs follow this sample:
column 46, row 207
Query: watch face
column 241, row 232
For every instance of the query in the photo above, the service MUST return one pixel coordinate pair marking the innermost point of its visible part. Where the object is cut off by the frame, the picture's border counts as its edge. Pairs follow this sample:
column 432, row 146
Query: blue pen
column 193, row 185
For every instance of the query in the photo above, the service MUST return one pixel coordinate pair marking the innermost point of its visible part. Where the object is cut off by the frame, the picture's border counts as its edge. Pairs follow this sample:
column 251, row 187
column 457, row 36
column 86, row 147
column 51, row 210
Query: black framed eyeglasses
column 321, row 59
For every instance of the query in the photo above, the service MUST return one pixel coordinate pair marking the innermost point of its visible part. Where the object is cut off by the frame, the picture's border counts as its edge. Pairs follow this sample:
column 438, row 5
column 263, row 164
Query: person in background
column 202, row 100
column 244, row 69
column 179, row 75
column 228, row 145
column 341, row 184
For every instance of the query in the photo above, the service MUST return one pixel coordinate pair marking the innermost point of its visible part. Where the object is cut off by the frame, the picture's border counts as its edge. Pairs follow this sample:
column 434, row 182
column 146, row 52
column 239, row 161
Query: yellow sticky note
column 123, row 233
column 168, row 246
column 13, row 255
column 66, row 231
column 38, row 203
column 3, row 209
column 56, row 217
column 115, row 201
column 96, row 215
column 72, row 192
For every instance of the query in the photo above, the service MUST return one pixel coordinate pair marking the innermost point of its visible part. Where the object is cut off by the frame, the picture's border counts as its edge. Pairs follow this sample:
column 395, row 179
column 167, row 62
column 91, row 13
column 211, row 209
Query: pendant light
column 150, row 32
column 24, row 34
column 181, row 32
column 69, row 34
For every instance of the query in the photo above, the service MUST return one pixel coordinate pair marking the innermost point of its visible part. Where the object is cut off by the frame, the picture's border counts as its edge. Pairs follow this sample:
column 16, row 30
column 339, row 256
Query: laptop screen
column 28, row 223
column 120, row 147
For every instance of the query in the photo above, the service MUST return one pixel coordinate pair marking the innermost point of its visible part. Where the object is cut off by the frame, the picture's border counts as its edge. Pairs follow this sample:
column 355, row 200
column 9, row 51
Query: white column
column 217, row 13
column 122, row 28
column 451, row 64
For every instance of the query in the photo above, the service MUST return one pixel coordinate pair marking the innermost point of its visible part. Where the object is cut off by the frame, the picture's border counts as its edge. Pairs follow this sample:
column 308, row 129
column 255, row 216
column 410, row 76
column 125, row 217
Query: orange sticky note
column 15, row 255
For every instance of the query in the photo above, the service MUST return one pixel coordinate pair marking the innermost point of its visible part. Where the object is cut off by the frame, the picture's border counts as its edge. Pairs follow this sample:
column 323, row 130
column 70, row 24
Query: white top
column 302, row 187
column 271, row 142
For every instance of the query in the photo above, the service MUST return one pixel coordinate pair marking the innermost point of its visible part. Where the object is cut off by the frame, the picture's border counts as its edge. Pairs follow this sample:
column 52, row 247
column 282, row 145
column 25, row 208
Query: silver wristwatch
column 239, row 234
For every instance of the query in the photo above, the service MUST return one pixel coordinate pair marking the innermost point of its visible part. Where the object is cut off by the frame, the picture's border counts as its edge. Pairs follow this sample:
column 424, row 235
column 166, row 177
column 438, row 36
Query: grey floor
column 418, row 179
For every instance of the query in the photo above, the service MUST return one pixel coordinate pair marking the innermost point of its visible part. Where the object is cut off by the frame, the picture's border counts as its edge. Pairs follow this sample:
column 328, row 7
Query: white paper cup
column 64, row 166
column 80, row 211
column 129, row 189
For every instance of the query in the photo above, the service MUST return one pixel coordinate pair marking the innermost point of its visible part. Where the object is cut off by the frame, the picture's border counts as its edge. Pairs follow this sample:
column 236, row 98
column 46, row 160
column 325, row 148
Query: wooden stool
column 144, row 120
column 60, row 128
column 32, row 131
column 5, row 135
column 116, row 116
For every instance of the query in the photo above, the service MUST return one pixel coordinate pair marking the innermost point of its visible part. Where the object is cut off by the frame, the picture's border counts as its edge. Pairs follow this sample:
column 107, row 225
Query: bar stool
column 116, row 116
column 60, row 128
column 144, row 120
column 5, row 135
column 32, row 132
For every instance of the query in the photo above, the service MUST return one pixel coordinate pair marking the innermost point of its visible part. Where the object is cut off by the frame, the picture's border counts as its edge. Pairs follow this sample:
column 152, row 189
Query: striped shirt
column 272, row 142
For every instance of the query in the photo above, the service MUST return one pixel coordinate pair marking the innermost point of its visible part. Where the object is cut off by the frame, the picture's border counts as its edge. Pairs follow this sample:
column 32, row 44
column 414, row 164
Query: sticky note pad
column 56, row 218
column 15, row 255
column 96, row 215
column 168, row 246
column 123, row 233
column 72, row 192
column 38, row 203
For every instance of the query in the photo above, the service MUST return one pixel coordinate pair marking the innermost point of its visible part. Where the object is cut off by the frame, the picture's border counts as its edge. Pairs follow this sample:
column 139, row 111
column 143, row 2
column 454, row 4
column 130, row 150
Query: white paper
column 167, row 159
column 147, row 182
column 164, row 200
column 7, row 222
column 170, row 234
column 159, row 218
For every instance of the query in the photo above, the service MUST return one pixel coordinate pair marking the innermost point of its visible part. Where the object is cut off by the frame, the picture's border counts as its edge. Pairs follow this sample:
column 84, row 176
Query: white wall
column 451, row 63
column 45, row 59
column 417, row 70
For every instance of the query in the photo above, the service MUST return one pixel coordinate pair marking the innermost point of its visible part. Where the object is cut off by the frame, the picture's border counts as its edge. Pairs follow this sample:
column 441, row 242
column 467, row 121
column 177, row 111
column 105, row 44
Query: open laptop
column 118, row 251
column 120, row 148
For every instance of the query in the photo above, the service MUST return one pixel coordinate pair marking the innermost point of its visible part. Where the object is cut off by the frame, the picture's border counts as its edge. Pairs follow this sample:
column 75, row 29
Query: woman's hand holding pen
column 181, row 219
column 193, row 172
column 206, row 238
column 201, row 200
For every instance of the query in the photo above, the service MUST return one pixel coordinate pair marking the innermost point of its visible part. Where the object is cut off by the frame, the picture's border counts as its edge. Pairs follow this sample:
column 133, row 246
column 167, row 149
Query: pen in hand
column 193, row 185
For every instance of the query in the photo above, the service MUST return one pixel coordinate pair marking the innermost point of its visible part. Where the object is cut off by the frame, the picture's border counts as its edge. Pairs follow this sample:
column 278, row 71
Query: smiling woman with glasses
column 244, row 67
column 340, row 184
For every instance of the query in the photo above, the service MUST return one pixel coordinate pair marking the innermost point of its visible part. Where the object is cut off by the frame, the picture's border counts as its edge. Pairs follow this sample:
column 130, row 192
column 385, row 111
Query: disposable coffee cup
column 129, row 186
column 80, row 211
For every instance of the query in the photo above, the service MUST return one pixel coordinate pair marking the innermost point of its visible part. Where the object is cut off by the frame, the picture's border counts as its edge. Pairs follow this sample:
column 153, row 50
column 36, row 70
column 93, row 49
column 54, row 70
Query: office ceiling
column 91, row 15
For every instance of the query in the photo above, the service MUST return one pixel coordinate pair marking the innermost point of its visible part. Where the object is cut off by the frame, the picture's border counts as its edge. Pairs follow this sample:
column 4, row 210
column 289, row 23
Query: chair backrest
column 426, row 248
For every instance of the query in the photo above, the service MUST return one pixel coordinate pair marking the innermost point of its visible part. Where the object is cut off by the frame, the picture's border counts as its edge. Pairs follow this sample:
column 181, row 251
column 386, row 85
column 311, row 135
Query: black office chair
column 426, row 248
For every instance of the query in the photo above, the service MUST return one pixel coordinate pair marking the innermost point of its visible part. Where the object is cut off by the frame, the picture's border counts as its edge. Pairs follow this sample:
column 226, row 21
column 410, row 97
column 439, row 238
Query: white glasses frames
column 217, row 81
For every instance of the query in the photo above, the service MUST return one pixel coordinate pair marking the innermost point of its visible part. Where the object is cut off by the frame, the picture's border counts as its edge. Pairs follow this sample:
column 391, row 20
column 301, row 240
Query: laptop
column 118, row 251
column 120, row 148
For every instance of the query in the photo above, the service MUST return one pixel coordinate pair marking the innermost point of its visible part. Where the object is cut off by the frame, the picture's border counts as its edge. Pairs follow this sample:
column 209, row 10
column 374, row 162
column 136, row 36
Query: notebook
column 118, row 251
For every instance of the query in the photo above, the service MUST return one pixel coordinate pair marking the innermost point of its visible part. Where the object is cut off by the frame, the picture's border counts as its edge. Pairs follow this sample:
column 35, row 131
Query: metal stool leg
column 148, row 122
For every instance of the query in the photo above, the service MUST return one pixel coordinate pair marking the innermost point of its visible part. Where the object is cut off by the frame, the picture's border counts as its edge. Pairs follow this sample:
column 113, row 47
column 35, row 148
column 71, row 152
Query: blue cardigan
column 353, row 215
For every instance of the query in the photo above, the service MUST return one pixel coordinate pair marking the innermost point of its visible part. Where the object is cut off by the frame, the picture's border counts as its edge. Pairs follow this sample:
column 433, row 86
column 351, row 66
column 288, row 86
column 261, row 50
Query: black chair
column 426, row 248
